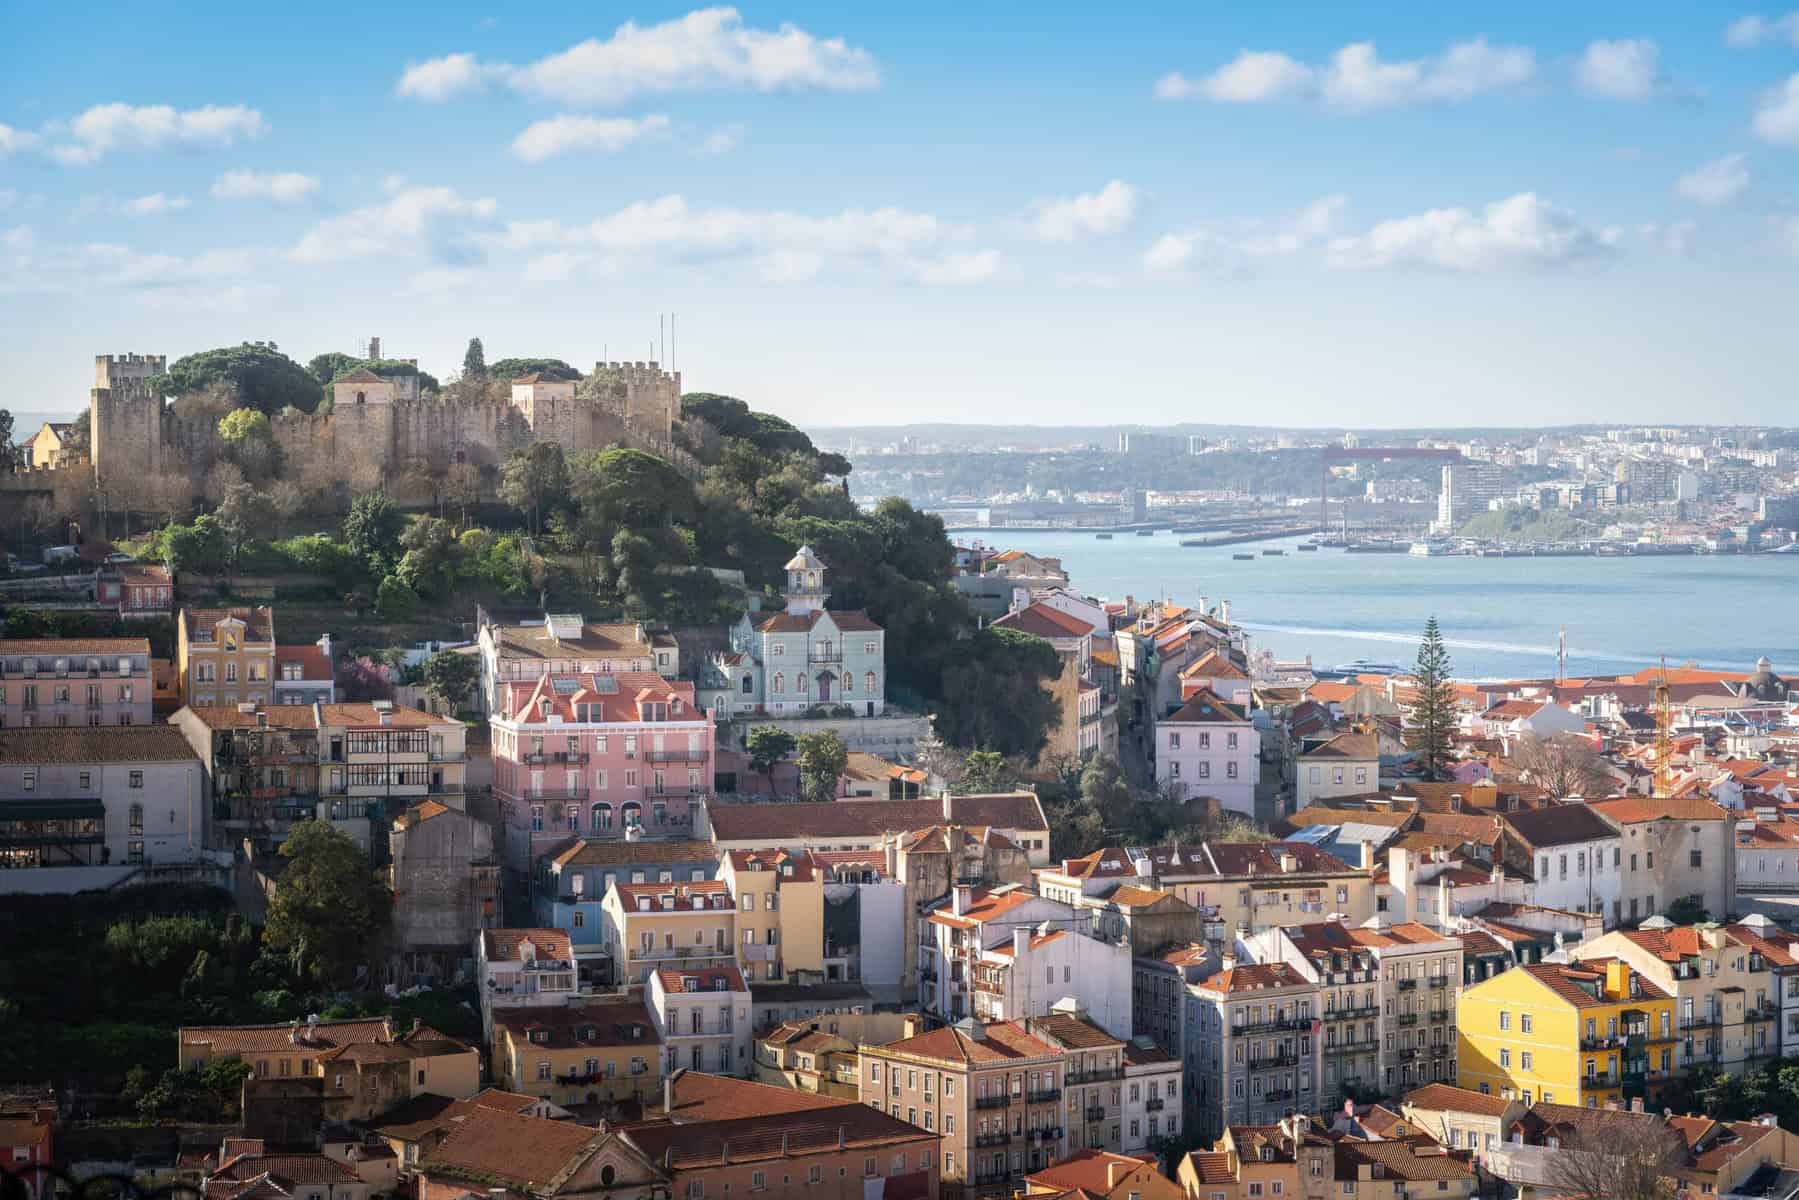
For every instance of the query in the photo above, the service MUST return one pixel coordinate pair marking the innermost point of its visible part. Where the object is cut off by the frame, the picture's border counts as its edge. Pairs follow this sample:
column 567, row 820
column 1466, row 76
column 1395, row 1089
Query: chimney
column 1205, row 606
column 948, row 806
column 1228, row 960
column 1367, row 848
column 1611, row 1106
column 1224, row 611
column 387, row 1028
column 1617, row 980
column 961, row 896
column 1114, row 1170
column 1289, row 864
column 1021, row 944
column 1636, row 1104
column 668, row 1094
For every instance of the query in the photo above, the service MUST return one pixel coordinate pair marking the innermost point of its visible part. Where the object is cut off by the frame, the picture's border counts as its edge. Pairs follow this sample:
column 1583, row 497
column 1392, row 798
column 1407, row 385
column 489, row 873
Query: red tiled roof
column 367, row 716
column 983, row 906
column 1211, row 1166
column 71, row 647
column 521, row 1150
column 846, row 621
column 1629, row 810
column 771, row 824
column 618, row 700
column 259, row 622
column 1444, row 1097
column 566, row 1027
column 1088, row 1170
column 1564, row 980
column 703, row 979
column 1356, row 747
column 1042, row 620
column 314, row 666
column 1000, row 1041
column 1204, row 707
column 502, row 945
column 1253, row 977
column 702, row 1097
column 682, row 896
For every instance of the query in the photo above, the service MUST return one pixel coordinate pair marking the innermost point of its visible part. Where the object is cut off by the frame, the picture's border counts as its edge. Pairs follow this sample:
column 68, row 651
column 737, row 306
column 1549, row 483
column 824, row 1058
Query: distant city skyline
column 1305, row 217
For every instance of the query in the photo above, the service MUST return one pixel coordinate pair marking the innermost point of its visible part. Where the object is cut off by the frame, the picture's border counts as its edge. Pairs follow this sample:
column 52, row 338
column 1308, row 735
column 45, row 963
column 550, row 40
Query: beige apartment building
column 69, row 682
column 994, row 1093
column 648, row 926
column 225, row 655
column 1726, row 993
column 780, row 913
column 385, row 756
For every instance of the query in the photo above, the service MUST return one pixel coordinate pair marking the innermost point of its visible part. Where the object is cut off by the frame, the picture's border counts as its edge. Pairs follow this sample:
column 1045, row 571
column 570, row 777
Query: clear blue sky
column 1296, row 213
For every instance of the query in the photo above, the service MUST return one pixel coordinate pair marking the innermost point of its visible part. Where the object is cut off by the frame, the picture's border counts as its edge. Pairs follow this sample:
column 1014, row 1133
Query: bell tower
column 806, row 590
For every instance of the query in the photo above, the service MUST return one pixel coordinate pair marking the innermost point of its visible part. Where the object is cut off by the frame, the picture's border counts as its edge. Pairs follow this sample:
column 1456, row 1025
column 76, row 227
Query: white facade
column 514, row 969
column 1580, row 876
column 1324, row 778
column 953, row 938
column 1035, row 970
column 1152, row 1099
column 705, row 1025
column 1216, row 755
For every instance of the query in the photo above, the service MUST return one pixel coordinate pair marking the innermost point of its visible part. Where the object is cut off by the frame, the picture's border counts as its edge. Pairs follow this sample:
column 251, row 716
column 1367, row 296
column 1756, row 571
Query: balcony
column 462, row 756
column 579, row 1078
column 755, row 952
column 816, row 654
column 992, row 1101
column 992, row 1139
column 1050, row 1132
column 1407, row 985
column 1439, row 1015
column 1367, row 1044
column 1278, row 1025
column 577, row 792
column 989, row 1178
column 1101, row 1075
column 1043, row 1096
column 1762, row 1012
column 1096, row 1112
column 1154, row 1104
column 1708, row 1021
column 696, row 754
column 1351, row 1014
column 1273, row 1062
column 1439, row 981
column 1405, row 1019
column 1602, row 1042
column 680, row 953
column 1275, row 1096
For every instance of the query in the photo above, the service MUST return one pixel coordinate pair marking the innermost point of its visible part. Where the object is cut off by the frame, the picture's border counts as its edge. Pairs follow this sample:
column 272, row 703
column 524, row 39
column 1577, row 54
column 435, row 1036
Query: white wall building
column 703, row 1015
column 1152, row 1095
column 1210, row 748
column 1347, row 765
column 1030, row 972
column 523, row 968
column 1576, row 858
column 952, row 940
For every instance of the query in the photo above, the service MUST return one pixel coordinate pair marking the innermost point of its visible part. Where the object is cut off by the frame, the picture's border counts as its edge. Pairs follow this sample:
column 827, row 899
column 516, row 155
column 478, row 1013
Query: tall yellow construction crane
column 1664, row 734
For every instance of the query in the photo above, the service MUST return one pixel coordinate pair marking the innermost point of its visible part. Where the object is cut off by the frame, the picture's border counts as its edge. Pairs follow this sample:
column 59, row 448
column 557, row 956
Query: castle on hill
column 381, row 425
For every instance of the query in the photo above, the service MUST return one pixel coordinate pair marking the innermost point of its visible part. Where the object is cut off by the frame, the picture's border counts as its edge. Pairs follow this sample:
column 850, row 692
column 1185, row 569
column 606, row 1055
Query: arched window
column 780, row 682
column 802, row 683
column 360, row 397
column 601, row 817
column 868, row 683
column 849, row 682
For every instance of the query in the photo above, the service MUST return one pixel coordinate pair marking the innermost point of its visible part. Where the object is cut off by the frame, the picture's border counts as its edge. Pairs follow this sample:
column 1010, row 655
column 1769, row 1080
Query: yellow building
column 577, row 1054
column 780, row 913
column 225, row 655
column 1726, row 994
column 648, row 926
column 46, row 447
column 798, row 1055
column 1576, row 1034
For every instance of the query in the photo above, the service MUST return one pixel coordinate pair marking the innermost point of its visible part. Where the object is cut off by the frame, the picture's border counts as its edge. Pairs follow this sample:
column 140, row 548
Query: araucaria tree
column 1433, row 706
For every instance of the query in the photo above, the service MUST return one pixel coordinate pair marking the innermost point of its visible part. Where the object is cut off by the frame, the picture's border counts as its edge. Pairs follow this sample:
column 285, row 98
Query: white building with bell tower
column 805, row 660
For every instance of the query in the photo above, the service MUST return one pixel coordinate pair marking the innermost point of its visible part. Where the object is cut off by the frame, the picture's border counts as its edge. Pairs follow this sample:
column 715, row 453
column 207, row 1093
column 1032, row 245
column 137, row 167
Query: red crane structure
column 1337, row 454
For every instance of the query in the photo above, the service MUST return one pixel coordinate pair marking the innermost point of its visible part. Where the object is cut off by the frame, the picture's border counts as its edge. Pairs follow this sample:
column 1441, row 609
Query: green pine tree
column 474, row 361
column 1433, row 706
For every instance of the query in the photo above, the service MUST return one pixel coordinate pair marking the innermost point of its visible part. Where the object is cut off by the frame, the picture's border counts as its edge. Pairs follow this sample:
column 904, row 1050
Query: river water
column 1499, row 615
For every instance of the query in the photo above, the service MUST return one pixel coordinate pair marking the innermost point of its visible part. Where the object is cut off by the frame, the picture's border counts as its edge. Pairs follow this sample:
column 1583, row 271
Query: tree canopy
column 257, row 374
column 517, row 368
column 822, row 757
column 993, row 694
column 451, row 677
column 330, row 905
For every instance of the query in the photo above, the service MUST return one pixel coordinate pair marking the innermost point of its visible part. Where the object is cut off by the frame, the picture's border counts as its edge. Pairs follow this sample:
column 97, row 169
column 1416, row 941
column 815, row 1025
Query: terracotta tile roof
column 827, row 1130
column 618, row 701
column 1776, row 945
column 619, row 641
column 1007, row 949
column 1088, row 1170
column 1630, row 810
column 367, row 716
column 1355, row 747
column 1565, row 981
column 1264, row 858
column 259, row 623
column 503, row 945
column 1211, row 1166
column 419, row 813
column 104, row 744
column 22, row 1131
column 702, row 1097
column 314, row 666
column 621, row 853
column 771, row 824
column 1443, row 1097
column 845, row 620
column 784, row 863
column 1336, row 814
column 1404, row 1159
column 983, row 906
column 1213, row 664
column 71, row 647
column 1559, row 825
column 1001, row 1041
column 1669, row 945
column 701, row 979
column 288, row 1168
column 568, row 1027
column 1042, row 620
column 1073, row 1033
column 1129, row 895
column 937, row 838
column 1139, row 1054
column 524, row 1151
column 1253, row 977
column 872, row 767
column 694, row 896
column 1204, row 707
column 279, row 716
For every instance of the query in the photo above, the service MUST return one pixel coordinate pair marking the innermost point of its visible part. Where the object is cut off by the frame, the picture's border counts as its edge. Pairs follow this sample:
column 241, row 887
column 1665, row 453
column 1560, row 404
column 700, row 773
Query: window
column 1505, row 1019
column 1505, row 1056
column 1524, row 1022
column 137, row 779
column 1524, row 1060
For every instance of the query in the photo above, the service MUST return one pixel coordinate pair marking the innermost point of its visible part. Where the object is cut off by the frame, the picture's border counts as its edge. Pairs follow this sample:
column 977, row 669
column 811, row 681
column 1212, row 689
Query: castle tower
column 125, row 419
column 362, row 415
column 649, row 396
column 806, row 591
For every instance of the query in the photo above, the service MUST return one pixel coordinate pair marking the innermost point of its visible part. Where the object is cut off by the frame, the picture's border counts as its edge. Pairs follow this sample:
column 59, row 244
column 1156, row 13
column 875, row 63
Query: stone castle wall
column 136, row 436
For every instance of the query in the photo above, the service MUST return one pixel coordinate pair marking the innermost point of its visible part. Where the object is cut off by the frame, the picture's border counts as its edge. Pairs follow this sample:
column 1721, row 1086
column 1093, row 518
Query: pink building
column 74, row 682
column 600, row 756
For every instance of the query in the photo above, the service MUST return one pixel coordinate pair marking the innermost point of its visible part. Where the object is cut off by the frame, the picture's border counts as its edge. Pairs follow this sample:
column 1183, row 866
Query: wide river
column 1499, row 615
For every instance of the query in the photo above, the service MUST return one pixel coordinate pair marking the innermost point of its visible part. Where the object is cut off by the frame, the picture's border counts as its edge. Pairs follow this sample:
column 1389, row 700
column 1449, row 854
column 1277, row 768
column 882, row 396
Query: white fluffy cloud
column 783, row 246
column 283, row 187
column 1714, row 183
column 709, row 48
column 1760, row 31
column 108, row 127
column 723, row 140
column 152, row 205
column 1215, row 249
column 14, row 140
column 420, row 221
column 1626, row 69
column 1112, row 209
column 566, row 133
column 1522, row 230
column 1357, row 79
column 30, row 264
column 1777, row 115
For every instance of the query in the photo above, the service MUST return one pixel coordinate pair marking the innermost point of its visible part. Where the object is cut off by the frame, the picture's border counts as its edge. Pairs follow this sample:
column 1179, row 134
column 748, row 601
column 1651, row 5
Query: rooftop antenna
column 1664, row 733
column 1561, row 654
column 671, row 342
column 661, row 336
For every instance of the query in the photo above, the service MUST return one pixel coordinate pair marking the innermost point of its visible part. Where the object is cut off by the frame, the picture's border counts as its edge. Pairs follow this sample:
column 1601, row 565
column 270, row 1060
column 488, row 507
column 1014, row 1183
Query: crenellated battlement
column 136, row 435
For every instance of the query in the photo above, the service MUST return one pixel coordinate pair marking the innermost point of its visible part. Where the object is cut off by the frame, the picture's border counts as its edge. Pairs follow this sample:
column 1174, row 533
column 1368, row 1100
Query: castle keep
column 382, row 424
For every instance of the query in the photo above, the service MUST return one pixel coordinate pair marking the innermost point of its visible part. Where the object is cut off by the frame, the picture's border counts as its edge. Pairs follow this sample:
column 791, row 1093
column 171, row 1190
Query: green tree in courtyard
column 984, row 773
column 372, row 532
column 329, row 907
column 1433, row 706
column 451, row 677
column 822, row 757
column 767, row 746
